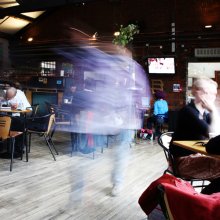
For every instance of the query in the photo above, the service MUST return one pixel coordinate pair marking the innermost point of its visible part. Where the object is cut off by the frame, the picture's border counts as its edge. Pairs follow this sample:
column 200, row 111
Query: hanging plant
column 125, row 35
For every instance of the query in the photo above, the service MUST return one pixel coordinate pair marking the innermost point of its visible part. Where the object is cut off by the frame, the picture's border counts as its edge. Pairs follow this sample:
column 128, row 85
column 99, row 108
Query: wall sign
column 177, row 88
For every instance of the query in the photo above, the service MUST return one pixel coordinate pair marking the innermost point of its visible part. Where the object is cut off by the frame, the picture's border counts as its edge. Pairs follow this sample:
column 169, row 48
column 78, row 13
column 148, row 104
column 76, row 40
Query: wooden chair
column 63, row 121
column 43, row 127
column 6, row 134
column 164, row 142
column 62, row 117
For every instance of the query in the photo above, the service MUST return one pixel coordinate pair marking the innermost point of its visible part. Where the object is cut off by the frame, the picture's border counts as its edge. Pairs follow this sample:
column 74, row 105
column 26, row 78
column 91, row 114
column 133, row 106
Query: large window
column 67, row 68
column 202, row 69
column 48, row 67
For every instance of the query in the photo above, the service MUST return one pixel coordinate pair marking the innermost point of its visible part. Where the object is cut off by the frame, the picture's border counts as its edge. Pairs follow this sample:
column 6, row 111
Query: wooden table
column 197, row 148
column 15, row 111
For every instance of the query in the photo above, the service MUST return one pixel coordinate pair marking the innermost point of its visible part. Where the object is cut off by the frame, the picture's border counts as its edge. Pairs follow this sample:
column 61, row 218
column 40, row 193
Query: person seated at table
column 17, row 100
column 195, row 121
column 160, row 114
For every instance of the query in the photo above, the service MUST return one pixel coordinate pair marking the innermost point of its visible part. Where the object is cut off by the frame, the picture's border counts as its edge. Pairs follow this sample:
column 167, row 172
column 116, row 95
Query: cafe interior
column 86, row 144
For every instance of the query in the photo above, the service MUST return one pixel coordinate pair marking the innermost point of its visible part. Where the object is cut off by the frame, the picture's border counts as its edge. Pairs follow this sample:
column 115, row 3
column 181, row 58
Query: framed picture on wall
column 177, row 88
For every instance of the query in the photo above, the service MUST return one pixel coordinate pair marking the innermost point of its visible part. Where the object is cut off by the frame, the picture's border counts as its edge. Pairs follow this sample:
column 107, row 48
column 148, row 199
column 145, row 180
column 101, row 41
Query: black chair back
column 164, row 142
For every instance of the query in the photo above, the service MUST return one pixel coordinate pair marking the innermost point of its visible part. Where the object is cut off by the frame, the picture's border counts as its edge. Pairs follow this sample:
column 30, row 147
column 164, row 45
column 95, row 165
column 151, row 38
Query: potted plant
column 125, row 35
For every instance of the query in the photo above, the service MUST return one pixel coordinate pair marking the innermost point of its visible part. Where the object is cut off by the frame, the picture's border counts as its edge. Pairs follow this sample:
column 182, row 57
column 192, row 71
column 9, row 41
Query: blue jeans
column 121, row 151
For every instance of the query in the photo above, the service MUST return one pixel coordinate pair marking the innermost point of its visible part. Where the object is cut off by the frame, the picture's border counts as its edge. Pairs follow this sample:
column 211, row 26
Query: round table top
column 15, row 110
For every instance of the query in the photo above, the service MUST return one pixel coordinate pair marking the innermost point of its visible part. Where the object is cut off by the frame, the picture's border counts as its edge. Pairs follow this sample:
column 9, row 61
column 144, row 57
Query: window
column 67, row 68
column 48, row 67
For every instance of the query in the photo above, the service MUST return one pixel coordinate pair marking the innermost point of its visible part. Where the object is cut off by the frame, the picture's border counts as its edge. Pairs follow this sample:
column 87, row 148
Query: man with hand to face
column 195, row 122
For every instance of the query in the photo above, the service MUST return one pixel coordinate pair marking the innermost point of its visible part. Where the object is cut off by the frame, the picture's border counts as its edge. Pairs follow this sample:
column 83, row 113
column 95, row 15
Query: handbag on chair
column 213, row 145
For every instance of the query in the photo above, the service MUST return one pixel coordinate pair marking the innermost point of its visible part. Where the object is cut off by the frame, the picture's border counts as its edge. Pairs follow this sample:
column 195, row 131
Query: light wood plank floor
column 76, row 187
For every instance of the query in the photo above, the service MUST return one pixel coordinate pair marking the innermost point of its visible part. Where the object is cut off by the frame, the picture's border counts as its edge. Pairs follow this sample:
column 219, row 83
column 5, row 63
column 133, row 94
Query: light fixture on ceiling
column 30, row 39
column 94, row 36
column 117, row 33
column 208, row 26
column 8, row 2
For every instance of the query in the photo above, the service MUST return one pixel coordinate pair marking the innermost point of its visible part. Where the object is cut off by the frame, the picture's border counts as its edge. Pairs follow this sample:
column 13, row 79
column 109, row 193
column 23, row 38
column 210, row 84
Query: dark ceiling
column 33, row 5
column 17, row 14
column 104, row 16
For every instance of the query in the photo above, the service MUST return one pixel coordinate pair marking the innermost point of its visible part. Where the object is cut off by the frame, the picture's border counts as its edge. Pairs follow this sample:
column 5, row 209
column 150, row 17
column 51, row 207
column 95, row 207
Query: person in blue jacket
column 160, row 113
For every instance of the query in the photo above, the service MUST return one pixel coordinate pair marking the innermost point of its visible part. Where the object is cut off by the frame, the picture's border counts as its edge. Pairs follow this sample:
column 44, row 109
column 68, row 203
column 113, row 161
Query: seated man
column 195, row 122
column 17, row 100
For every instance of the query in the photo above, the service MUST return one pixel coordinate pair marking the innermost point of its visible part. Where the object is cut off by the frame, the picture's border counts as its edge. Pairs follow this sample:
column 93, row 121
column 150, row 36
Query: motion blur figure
column 114, row 101
column 121, row 157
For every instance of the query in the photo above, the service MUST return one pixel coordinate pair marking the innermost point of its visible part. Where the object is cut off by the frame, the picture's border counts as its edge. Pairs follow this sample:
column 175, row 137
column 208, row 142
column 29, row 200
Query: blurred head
column 160, row 94
column 118, row 83
column 204, row 87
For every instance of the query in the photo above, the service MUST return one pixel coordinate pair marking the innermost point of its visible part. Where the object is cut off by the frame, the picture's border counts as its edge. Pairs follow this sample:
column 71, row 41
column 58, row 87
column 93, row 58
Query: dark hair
column 160, row 94
column 18, row 85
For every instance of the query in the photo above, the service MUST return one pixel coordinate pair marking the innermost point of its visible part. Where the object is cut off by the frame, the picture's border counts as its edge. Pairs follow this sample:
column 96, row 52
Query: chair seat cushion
column 38, row 123
column 36, row 126
column 15, row 133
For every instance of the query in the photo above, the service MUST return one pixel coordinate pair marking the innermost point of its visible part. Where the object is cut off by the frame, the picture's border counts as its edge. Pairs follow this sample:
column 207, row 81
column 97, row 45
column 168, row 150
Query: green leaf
column 126, row 34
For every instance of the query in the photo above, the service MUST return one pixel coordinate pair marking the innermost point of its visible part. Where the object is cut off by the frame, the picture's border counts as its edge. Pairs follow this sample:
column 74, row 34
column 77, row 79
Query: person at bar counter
column 195, row 121
column 69, row 93
column 160, row 114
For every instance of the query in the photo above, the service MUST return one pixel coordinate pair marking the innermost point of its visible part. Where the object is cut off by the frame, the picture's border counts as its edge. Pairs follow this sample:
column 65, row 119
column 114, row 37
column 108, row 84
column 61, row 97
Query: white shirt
column 21, row 99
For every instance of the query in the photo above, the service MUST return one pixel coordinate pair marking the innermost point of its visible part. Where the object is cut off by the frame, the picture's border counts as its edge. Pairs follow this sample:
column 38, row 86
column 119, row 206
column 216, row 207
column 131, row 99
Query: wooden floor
column 76, row 187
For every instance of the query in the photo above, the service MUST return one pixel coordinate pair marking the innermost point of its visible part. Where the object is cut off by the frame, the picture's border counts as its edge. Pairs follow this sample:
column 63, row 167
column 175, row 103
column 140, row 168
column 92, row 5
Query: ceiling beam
column 36, row 5
column 24, row 17
column 5, row 35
